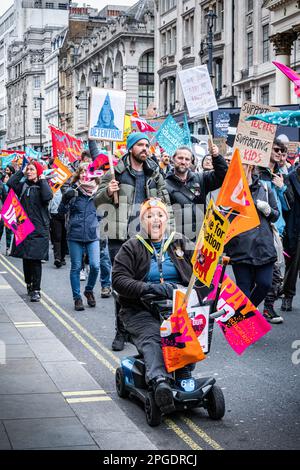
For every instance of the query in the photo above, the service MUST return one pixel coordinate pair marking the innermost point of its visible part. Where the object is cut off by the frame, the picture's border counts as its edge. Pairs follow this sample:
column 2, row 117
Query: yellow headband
column 151, row 203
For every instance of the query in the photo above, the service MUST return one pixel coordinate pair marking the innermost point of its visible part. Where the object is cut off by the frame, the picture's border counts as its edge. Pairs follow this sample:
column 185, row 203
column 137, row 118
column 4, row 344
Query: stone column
column 283, row 43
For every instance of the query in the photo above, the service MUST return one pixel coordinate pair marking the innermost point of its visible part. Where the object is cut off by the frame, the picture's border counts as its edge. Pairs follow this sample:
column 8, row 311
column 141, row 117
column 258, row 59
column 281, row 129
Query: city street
column 261, row 387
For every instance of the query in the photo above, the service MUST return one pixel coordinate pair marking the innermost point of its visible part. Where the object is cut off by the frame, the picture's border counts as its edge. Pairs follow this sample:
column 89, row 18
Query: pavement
column 48, row 400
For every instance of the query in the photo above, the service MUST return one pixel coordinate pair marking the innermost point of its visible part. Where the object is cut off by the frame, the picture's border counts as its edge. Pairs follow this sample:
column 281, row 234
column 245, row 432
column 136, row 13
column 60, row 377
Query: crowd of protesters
column 90, row 219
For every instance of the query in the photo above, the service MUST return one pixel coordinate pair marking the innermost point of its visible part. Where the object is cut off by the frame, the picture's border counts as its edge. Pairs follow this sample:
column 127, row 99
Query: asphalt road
column 261, row 387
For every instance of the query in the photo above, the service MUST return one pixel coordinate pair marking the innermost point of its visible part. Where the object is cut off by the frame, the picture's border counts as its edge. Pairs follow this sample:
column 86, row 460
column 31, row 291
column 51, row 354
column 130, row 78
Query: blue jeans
column 77, row 249
column 105, row 265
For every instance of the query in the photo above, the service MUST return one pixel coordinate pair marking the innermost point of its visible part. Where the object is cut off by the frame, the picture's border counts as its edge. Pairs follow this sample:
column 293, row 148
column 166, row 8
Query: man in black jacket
column 188, row 190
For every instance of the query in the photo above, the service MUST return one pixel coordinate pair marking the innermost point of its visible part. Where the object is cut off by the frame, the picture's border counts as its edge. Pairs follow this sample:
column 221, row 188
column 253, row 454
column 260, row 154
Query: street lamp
column 24, row 106
column 96, row 74
column 210, row 18
column 41, row 127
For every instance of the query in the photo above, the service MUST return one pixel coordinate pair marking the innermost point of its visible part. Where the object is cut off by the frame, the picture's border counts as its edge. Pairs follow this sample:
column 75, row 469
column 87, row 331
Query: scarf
column 88, row 188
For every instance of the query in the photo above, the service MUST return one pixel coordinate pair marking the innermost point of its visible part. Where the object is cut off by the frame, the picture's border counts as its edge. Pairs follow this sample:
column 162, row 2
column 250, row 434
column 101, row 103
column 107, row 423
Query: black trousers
column 292, row 267
column 58, row 236
column 273, row 293
column 32, row 269
column 113, row 248
column 145, row 333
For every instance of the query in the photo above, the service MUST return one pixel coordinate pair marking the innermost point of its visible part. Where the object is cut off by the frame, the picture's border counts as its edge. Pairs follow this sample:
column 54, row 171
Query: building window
column 163, row 44
column 167, row 5
column 37, row 125
column 248, row 95
column 62, row 6
column 250, row 5
column 49, row 5
column 37, row 82
column 265, row 98
column 219, row 81
column 146, row 81
column 36, row 103
column 172, row 97
column 266, row 43
column 250, row 49
column 188, row 30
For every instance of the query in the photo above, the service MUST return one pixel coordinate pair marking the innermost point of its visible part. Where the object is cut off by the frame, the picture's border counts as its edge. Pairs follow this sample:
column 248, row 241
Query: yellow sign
column 210, row 244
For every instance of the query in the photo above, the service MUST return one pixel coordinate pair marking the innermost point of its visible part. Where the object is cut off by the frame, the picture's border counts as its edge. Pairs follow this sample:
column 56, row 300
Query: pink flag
column 15, row 218
column 242, row 324
column 293, row 76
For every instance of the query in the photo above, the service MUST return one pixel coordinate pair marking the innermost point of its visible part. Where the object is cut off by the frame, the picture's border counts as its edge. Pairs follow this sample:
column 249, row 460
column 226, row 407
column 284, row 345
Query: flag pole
column 208, row 130
column 112, row 171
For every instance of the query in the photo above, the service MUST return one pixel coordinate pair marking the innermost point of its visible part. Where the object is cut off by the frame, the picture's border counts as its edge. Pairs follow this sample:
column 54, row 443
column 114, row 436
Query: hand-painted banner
column 254, row 139
column 210, row 244
column 180, row 345
column 242, row 324
column 235, row 200
column 198, row 91
column 62, row 174
column 107, row 112
column 15, row 218
column 65, row 145
column 170, row 136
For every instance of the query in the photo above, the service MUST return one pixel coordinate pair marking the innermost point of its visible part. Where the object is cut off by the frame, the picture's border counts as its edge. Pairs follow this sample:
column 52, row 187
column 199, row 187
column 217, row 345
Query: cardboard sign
column 293, row 150
column 62, row 174
column 15, row 218
column 221, row 143
column 107, row 113
column 198, row 91
column 242, row 324
column 254, row 139
column 210, row 244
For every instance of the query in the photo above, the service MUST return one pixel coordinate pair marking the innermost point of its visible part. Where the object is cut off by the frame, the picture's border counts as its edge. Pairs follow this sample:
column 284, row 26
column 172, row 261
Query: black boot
column 286, row 305
column 29, row 289
column 118, row 342
column 35, row 296
column 163, row 394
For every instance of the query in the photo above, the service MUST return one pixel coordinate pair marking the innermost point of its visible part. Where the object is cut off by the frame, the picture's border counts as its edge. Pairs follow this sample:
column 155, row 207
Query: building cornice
column 275, row 4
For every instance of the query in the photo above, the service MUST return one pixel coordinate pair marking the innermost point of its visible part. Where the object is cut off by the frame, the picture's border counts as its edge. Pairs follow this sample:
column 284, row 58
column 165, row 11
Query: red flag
column 141, row 122
column 64, row 144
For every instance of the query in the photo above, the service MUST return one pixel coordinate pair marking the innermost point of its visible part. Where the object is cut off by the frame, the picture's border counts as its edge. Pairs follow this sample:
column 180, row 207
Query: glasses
column 277, row 150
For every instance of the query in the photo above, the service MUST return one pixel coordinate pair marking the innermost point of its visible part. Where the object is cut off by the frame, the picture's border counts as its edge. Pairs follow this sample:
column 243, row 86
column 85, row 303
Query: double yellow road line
column 54, row 308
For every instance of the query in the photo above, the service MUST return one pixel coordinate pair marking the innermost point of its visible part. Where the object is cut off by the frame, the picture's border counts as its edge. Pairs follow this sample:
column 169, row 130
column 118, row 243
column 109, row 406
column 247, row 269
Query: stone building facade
column 244, row 33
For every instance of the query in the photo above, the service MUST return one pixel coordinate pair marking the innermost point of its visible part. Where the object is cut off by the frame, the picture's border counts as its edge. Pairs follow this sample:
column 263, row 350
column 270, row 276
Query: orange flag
column 180, row 345
column 236, row 199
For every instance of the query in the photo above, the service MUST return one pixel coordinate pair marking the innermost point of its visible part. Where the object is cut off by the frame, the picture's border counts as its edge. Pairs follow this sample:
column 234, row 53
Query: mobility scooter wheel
column 216, row 403
column 153, row 413
column 120, row 383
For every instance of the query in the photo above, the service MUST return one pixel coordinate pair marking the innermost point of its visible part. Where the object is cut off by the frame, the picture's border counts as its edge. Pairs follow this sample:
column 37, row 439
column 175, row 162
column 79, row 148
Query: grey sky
column 5, row 4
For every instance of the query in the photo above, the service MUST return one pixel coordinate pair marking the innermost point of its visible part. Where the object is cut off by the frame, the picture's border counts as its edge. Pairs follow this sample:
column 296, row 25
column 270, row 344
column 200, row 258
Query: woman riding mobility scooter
column 146, row 271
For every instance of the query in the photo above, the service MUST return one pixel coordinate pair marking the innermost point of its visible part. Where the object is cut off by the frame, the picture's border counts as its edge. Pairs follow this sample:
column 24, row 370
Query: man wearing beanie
column 137, row 178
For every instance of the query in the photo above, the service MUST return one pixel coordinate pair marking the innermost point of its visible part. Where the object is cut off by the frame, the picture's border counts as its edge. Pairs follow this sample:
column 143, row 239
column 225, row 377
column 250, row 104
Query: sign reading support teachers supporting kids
column 198, row 91
column 210, row 244
column 254, row 139
column 107, row 112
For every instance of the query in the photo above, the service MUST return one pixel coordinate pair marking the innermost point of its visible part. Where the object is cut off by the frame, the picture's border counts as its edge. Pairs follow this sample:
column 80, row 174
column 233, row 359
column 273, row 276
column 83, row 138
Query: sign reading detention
column 107, row 113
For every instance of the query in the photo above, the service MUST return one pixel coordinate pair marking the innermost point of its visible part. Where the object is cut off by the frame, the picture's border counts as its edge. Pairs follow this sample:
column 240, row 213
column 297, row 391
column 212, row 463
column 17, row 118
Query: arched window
column 146, row 81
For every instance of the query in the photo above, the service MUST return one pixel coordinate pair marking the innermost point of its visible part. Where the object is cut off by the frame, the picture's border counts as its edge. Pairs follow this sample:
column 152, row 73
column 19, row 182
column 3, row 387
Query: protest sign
column 210, row 244
column 179, row 341
column 235, row 200
column 198, row 91
column 254, row 139
column 120, row 147
column 170, row 136
column 107, row 112
column 293, row 150
column 15, row 218
column 242, row 324
column 62, row 174
column 65, row 146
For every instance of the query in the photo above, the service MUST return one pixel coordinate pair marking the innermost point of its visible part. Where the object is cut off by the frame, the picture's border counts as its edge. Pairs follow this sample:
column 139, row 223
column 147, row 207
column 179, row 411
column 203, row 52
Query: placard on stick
column 254, row 139
column 107, row 112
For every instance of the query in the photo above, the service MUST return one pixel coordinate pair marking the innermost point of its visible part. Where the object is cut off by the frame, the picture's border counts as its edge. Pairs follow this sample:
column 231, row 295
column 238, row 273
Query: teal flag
column 281, row 118
column 31, row 153
column 187, row 133
column 170, row 135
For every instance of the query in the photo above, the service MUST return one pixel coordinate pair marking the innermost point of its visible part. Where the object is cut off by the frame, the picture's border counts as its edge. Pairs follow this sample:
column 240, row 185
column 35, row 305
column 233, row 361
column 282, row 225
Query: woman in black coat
column 253, row 253
column 34, row 193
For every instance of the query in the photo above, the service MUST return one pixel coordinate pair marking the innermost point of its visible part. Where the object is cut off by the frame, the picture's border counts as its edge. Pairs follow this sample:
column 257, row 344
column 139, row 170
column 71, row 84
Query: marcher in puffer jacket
column 82, row 233
column 253, row 253
column 34, row 193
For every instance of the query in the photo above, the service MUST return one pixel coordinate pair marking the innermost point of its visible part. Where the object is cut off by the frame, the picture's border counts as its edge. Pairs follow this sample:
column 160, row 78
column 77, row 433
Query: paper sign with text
column 254, row 139
column 198, row 91
column 107, row 114
column 210, row 244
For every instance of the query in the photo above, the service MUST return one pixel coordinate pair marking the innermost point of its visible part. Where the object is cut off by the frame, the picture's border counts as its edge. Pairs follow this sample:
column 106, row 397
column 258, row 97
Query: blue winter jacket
column 82, row 223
